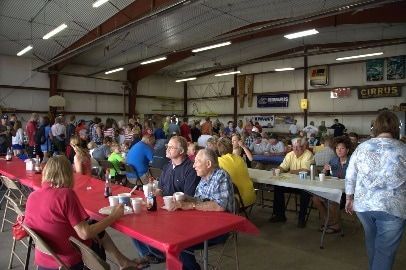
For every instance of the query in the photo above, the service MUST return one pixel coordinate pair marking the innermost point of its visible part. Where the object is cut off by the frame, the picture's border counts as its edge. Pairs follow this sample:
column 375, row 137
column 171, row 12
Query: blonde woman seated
column 55, row 213
column 235, row 166
column 81, row 161
column 337, row 167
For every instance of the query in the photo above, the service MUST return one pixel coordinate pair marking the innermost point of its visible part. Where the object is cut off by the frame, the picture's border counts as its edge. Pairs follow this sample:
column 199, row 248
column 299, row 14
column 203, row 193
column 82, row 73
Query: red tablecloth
column 170, row 232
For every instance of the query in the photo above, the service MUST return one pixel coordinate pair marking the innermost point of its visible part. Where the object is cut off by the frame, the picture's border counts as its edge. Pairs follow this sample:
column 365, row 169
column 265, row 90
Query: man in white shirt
column 58, row 131
column 275, row 146
column 293, row 129
column 310, row 129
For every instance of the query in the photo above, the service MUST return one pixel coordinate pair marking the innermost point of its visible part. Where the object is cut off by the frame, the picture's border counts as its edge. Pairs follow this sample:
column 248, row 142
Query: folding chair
column 106, row 165
column 155, row 172
column 135, row 181
column 15, row 207
column 13, row 191
column 240, row 207
column 42, row 246
column 90, row 259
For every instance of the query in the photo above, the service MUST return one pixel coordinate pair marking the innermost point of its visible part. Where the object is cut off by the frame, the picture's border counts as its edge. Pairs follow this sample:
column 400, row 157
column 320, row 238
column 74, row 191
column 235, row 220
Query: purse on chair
column 18, row 231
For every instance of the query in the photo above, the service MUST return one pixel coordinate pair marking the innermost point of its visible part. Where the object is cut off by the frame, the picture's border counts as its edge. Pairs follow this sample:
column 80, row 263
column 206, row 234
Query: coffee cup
column 113, row 200
column 124, row 198
column 179, row 196
column 322, row 176
column 136, row 203
column 277, row 172
column 169, row 202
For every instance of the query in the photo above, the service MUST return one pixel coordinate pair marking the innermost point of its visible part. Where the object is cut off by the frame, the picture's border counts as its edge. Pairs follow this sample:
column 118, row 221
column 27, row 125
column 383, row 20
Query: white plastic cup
column 113, row 200
column 169, row 202
column 322, row 176
column 146, row 188
column 277, row 172
column 136, row 203
column 179, row 196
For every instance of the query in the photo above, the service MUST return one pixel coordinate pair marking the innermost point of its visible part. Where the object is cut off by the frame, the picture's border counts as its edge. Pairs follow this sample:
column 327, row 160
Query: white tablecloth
column 330, row 188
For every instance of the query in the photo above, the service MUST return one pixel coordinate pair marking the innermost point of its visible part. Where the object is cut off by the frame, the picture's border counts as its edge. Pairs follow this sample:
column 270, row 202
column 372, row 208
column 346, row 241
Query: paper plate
column 107, row 210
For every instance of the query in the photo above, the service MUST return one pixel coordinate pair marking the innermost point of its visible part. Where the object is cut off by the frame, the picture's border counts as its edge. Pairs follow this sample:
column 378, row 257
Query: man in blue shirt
column 139, row 156
column 177, row 176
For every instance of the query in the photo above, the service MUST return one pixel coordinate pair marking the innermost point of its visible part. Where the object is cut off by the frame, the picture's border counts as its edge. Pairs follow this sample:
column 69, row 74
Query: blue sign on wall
column 280, row 100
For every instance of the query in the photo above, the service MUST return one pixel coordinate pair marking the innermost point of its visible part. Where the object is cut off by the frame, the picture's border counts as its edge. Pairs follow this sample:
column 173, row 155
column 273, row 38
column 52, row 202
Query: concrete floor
column 279, row 246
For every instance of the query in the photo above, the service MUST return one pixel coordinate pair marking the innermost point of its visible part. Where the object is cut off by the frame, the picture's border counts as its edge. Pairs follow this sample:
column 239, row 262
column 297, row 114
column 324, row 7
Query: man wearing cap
column 4, row 134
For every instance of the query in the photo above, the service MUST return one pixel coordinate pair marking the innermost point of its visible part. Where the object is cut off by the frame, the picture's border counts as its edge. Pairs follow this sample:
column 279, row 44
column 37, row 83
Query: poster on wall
column 380, row 91
column 264, row 121
column 318, row 76
column 395, row 67
column 374, row 69
column 275, row 101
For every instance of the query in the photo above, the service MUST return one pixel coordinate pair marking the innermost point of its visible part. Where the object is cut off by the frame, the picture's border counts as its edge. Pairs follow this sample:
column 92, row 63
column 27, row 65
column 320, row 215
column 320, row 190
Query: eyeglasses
column 170, row 147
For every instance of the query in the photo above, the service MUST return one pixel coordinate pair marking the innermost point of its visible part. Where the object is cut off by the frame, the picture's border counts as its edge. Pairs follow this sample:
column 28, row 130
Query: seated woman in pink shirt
column 55, row 213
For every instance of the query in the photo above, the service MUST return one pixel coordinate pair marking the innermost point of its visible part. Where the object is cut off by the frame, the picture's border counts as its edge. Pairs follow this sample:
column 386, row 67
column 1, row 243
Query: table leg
column 206, row 255
column 325, row 225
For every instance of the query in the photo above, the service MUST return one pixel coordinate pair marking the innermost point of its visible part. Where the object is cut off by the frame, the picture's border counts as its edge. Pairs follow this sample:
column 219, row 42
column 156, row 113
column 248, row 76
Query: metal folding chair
column 42, row 246
column 14, row 192
column 239, row 205
column 90, row 259
column 135, row 181
column 155, row 172
column 15, row 207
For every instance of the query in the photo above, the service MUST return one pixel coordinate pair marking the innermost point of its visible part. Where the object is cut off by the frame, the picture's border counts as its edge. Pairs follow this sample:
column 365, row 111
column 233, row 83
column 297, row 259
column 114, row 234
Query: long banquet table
column 170, row 232
column 330, row 189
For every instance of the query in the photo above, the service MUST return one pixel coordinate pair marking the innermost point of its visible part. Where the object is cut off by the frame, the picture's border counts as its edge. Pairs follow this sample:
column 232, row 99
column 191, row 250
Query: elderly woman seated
column 55, row 213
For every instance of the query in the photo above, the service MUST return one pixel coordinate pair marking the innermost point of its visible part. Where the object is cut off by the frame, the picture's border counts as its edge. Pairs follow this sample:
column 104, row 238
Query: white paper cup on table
column 136, row 203
column 179, row 196
column 147, row 189
column 277, row 172
column 169, row 202
column 322, row 176
column 113, row 200
column 124, row 198
column 302, row 175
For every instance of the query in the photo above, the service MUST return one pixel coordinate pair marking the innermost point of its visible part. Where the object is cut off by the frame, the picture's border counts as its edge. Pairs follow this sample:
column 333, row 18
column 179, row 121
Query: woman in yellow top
column 237, row 169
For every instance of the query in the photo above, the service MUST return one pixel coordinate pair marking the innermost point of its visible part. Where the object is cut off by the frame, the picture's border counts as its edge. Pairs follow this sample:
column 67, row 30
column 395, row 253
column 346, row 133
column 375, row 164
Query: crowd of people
column 209, row 161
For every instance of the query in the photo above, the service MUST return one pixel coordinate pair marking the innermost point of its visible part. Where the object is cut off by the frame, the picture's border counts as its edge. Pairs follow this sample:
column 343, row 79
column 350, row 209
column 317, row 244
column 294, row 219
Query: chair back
column 13, row 189
column 42, row 246
column 155, row 172
column 89, row 257
column 105, row 164
column 15, row 205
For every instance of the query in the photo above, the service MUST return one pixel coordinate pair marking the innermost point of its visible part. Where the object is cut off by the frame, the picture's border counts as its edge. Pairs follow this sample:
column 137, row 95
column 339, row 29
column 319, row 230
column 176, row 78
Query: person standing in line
column 293, row 129
column 375, row 187
column 31, row 129
column 338, row 128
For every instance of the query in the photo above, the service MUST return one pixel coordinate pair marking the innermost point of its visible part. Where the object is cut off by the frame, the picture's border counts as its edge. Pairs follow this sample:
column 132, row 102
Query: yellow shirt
column 291, row 162
column 237, row 169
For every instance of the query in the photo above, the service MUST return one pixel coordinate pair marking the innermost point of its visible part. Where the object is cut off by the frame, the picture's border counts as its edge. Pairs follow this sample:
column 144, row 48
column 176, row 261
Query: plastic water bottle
column 151, row 202
column 9, row 154
column 107, row 185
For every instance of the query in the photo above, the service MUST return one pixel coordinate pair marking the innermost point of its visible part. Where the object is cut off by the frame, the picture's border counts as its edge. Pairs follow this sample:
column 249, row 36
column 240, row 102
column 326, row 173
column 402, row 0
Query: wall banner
column 395, row 67
column 264, row 121
column 280, row 100
column 379, row 91
column 374, row 69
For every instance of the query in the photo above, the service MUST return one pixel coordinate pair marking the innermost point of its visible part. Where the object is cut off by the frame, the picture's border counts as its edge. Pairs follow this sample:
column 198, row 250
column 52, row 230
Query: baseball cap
column 4, row 116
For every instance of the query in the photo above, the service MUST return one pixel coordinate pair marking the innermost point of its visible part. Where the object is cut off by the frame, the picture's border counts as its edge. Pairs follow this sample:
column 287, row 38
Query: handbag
column 18, row 230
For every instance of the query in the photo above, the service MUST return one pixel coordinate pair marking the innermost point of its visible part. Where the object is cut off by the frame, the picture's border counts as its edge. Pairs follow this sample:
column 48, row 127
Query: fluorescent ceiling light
column 113, row 70
column 359, row 56
column 227, row 73
column 23, row 51
column 284, row 69
column 187, row 79
column 302, row 34
column 212, row 47
column 98, row 3
column 153, row 60
column 55, row 31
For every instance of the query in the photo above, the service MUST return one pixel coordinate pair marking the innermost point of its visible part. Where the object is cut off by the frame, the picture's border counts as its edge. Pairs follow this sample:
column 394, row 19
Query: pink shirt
column 31, row 129
column 52, row 213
